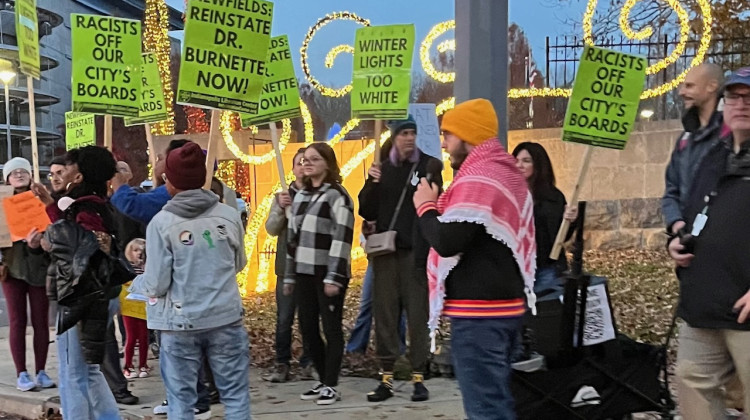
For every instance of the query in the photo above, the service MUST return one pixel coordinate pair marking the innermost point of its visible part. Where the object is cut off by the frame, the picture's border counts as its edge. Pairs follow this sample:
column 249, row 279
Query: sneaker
column 126, row 397
column 129, row 373
column 306, row 373
column 162, row 408
column 143, row 372
column 280, row 374
column 381, row 393
column 43, row 381
column 204, row 414
column 530, row 363
column 420, row 392
column 313, row 393
column 328, row 396
column 24, row 382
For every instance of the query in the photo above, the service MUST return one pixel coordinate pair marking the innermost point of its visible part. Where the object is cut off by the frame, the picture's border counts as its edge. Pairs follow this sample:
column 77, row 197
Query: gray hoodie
column 194, row 249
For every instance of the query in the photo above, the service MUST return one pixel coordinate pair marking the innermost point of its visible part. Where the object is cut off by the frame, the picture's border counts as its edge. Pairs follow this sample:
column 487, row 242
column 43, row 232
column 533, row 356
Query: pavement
column 268, row 400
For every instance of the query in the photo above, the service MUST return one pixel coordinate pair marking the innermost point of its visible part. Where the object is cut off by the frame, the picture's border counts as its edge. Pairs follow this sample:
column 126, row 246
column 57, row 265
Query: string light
column 325, row 90
column 227, row 128
column 424, row 52
column 331, row 56
column 445, row 46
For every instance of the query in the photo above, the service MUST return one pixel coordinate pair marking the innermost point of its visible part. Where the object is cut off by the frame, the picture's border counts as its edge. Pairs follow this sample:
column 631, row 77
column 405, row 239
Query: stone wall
column 623, row 188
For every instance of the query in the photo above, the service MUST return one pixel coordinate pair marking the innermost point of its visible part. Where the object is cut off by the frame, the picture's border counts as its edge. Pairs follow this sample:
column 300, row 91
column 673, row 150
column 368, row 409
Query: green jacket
column 24, row 263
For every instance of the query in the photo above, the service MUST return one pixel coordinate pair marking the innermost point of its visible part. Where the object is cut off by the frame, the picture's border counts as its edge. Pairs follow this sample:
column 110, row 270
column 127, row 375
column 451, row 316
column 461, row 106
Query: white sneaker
column 313, row 393
column 328, row 396
column 202, row 415
column 162, row 408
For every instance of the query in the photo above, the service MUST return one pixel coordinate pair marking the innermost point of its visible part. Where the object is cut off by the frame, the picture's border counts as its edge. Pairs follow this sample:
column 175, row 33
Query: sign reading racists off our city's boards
column 27, row 34
column 605, row 99
column 224, row 54
column 153, row 107
column 381, row 82
column 106, row 65
column 280, row 96
column 80, row 130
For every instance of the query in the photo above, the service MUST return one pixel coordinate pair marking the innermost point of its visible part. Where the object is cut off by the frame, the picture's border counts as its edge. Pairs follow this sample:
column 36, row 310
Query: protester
column 387, row 198
column 286, row 306
column 56, row 168
column 23, row 275
column 318, row 264
column 82, row 230
column 712, row 269
column 550, row 208
column 482, row 257
column 195, row 248
column 134, row 316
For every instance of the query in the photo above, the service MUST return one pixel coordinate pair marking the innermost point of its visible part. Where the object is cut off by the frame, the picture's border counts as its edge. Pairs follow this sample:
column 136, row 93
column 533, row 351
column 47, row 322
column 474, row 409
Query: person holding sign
column 318, row 265
column 25, row 266
column 713, row 268
column 481, row 231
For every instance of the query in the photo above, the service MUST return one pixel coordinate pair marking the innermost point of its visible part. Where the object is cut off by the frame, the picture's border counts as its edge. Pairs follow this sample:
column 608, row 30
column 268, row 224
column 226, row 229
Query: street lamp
column 7, row 73
column 647, row 114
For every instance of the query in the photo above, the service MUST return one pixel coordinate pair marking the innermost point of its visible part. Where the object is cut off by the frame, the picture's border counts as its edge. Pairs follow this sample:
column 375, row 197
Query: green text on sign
column 606, row 94
column 80, row 130
column 381, row 82
column 153, row 107
column 280, row 96
column 27, row 34
column 224, row 55
column 106, row 65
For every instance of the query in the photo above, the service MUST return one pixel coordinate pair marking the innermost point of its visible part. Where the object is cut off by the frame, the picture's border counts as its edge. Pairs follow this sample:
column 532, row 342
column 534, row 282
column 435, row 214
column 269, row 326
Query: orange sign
column 24, row 212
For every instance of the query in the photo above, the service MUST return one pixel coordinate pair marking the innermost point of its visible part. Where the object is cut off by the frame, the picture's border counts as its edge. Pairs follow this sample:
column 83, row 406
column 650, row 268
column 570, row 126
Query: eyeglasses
column 19, row 173
column 734, row 99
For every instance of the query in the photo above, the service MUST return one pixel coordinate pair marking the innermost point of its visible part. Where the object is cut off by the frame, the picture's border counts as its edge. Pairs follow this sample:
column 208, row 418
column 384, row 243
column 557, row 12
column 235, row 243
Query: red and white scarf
column 490, row 190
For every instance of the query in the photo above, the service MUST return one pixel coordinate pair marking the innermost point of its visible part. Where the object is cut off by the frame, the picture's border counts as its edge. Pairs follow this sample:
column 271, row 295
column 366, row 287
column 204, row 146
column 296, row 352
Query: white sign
column 428, row 130
column 598, row 326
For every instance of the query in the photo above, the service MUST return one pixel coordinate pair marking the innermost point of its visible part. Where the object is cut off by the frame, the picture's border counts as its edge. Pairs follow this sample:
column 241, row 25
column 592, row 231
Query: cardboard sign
column 27, row 35
column 381, row 82
column 80, row 130
column 606, row 94
column 280, row 96
column 153, row 108
column 5, row 241
column 224, row 55
column 428, row 129
column 24, row 212
column 106, row 65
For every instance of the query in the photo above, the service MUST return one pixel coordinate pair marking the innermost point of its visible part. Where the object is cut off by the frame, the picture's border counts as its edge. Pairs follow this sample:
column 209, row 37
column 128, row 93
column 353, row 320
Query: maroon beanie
column 186, row 167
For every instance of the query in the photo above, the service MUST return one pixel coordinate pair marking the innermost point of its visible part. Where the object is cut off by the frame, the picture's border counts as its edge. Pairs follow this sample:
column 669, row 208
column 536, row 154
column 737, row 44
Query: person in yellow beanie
column 483, row 257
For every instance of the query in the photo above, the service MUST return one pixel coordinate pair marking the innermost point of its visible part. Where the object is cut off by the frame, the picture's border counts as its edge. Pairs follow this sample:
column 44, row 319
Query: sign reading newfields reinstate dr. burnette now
column 80, row 130
column 153, row 107
column 605, row 99
column 381, row 81
column 106, row 65
column 224, row 55
column 280, row 96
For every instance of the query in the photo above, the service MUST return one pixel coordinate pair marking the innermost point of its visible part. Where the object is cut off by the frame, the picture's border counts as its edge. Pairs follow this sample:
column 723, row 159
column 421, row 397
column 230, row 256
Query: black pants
column 286, row 307
column 111, row 365
column 314, row 307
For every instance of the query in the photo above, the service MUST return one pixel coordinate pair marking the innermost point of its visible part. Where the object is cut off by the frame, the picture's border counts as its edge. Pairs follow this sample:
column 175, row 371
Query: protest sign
column 27, row 35
column 106, row 65
column 24, row 212
column 152, row 105
column 224, row 54
column 381, row 82
column 80, row 130
column 280, row 96
column 5, row 241
column 428, row 130
column 606, row 94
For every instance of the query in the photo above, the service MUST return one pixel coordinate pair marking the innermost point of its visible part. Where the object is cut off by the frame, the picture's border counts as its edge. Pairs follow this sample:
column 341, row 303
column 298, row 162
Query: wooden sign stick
column 108, row 132
column 32, row 123
column 565, row 226
column 213, row 143
column 279, row 158
column 378, row 130
column 151, row 152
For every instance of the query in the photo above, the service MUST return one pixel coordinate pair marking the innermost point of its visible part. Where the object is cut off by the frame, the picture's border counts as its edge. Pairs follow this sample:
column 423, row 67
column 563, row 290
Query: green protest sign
column 224, row 58
column 606, row 94
column 153, row 107
column 27, row 35
column 80, row 130
column 280, row 96
column 106, row 65
column 382, row 72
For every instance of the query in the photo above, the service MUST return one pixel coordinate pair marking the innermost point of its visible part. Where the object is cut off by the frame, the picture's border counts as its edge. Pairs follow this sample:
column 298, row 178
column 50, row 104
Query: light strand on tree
column 156, row 40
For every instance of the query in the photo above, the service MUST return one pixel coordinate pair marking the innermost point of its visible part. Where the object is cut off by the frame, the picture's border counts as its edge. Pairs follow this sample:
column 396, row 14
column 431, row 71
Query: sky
column 294, row 17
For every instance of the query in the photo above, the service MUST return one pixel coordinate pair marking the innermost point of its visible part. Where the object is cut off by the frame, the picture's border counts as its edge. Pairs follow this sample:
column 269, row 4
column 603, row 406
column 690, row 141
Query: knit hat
column 472, row 121
column 397, row 125
column 185, row 167
column 13, row 164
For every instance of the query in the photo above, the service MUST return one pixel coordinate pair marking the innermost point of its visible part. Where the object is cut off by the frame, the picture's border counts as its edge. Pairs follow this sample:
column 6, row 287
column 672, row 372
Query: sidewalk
column 269, row 401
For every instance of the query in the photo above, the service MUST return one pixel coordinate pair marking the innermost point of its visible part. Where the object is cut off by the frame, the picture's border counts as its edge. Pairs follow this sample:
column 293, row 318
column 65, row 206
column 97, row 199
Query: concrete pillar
column 482, row 55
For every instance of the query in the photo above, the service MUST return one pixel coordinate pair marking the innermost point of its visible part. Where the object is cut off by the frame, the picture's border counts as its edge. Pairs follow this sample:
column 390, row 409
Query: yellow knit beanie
column 473, row 121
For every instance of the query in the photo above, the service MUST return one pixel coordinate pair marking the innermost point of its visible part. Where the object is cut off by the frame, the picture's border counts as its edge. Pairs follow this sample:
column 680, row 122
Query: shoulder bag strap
column 403, row 194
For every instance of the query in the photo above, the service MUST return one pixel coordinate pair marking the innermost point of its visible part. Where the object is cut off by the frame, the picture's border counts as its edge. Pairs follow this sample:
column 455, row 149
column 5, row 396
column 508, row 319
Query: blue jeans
column 360, row 337
column 226, row 349
column 286, row 307
column 481, row 350
column 84, row 393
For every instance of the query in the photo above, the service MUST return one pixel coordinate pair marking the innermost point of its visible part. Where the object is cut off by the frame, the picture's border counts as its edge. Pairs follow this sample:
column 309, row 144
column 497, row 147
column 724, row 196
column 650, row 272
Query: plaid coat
column 320, row 234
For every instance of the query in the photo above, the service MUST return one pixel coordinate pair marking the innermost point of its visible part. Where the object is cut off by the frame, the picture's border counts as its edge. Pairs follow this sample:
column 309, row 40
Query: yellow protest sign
column 27, row 35
column 80, row 130
column 152, row 108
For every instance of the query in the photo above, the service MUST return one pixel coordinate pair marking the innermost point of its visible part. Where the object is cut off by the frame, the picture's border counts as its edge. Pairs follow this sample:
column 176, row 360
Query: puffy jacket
column 27, row 264
column 195, row 248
